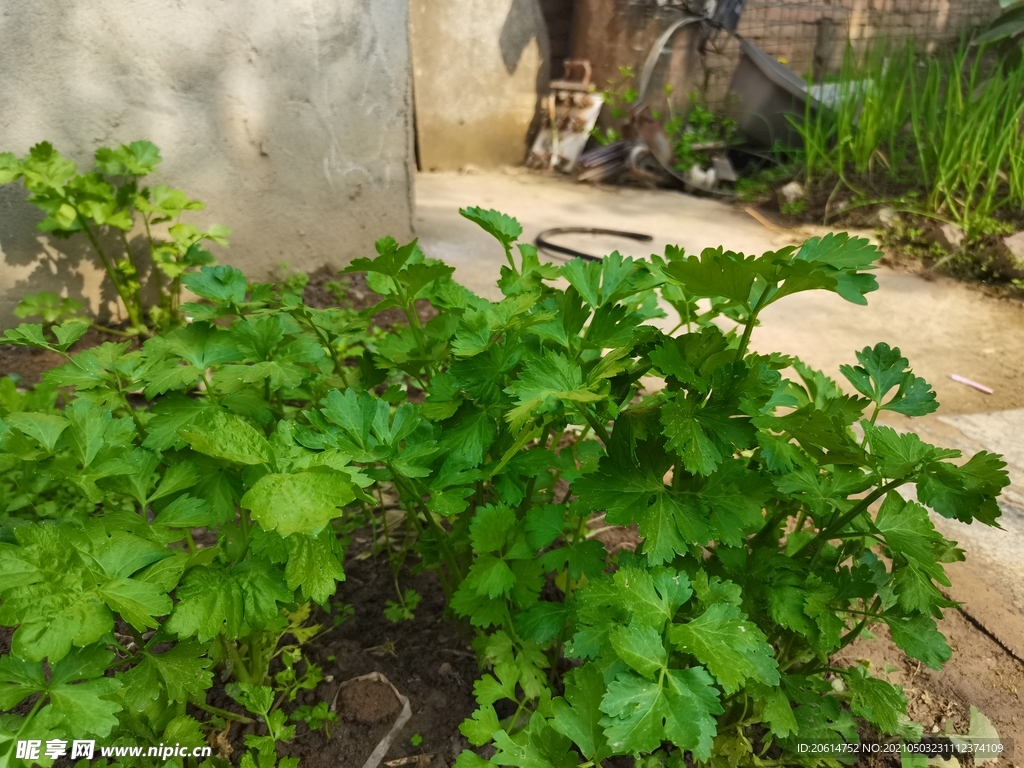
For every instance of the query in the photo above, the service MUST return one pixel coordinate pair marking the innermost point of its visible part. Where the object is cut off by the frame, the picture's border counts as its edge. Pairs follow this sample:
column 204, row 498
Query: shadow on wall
column 520, row 28
column 525, row 22
column 39, row 262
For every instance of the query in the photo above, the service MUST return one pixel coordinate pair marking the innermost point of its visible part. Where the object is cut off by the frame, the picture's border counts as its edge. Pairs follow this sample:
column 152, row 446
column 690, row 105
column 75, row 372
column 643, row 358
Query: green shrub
column 102, row 502
column 772, row 513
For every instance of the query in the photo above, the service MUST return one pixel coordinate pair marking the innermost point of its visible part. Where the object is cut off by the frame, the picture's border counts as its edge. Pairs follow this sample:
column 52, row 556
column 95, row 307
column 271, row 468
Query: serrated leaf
column 226, row 436
column 631, row 493
column 138, row 602
column 919, row 638
column 314, row 565
column 208, row 603
column 221, row 284
column 878, row 701
column 578, row 715
column 183, row 670
column 967, row 492
column 651, row 597
column 502, row 227
column 544, row 524
column 640, row 647
column 44, row 427
column 640, row 713
column 263, row 588
column 302, row 502
column 480, row 727
column 490, row 528
column 731, row 647
column 490, row 576
column 541, row 622
column 545, row 384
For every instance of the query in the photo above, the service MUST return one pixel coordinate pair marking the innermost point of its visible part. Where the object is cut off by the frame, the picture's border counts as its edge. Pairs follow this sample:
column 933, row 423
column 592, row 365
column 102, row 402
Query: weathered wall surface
column 478, row 67
column 290, row 119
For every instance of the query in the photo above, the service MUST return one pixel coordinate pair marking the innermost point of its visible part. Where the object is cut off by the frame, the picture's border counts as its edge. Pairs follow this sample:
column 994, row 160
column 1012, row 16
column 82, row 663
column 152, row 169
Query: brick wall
column 811, row 36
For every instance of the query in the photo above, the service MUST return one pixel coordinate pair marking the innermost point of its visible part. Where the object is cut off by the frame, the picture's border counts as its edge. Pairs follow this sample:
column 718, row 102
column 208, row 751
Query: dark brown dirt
column 367, row 702
column 428, row 659
column 358, row 296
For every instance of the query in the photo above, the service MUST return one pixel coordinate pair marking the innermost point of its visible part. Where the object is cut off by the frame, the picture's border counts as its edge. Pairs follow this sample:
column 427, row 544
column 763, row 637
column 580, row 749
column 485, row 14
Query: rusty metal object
column 572, row 109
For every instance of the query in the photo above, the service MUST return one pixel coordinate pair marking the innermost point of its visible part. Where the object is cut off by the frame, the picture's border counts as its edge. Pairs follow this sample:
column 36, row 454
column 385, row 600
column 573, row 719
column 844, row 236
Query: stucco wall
column 479, row 66
column 290, row 119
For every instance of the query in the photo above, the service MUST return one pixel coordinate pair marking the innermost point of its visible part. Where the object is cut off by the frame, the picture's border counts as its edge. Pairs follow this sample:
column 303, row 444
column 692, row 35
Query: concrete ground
column 943, row 327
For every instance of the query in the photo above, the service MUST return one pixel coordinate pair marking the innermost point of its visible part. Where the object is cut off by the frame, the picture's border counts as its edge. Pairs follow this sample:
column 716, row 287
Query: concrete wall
column 290, row 119
column 479, row 67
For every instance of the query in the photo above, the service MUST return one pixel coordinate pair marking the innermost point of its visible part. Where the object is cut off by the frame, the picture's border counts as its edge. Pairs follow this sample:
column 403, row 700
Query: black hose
column 542, row 243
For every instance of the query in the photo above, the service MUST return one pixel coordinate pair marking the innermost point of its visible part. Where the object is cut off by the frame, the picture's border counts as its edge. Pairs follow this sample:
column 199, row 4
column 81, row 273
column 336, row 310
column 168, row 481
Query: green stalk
column 222, row 712
column 741, row 350
column 828, row 531
column 237, row 665
column 133, row 311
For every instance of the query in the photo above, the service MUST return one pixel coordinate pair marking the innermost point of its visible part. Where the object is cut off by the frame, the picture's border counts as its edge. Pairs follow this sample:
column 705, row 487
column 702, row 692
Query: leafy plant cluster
column 160, row 518
column 199, row 490
column 699, row 134
column 108, row 206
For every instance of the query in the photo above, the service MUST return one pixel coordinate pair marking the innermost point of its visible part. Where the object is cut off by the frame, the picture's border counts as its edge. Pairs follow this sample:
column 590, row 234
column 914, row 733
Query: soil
column 980, row 674
column 367, row 701
column 358, row 296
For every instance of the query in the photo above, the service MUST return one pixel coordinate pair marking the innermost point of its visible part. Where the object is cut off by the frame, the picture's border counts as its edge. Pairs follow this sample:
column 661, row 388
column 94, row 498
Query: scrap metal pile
column 643, row 151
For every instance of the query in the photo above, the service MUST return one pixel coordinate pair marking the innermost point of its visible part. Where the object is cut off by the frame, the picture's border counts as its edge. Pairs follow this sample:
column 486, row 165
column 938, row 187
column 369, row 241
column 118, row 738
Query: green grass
column 948, row 126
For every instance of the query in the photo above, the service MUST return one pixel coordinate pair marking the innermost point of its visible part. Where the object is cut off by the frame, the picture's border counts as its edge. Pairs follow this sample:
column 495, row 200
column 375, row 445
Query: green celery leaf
column 85, row 705
column 209, row 602
column 541, row 622
column 919, row 638
column 544, row 384
column 263, row 587
column 877, row 701
column 481, row 726
column 729, row 645
column 225, row 436
column 578, row 715
column 44, row 427
column 967, row 492
column 220, row 284
column 641, row 648
column 490, row 529
column 183, row 670
column 640, row 713
column 503, row 228
column 314, row 565
column 302, row 502
column 490, row 576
